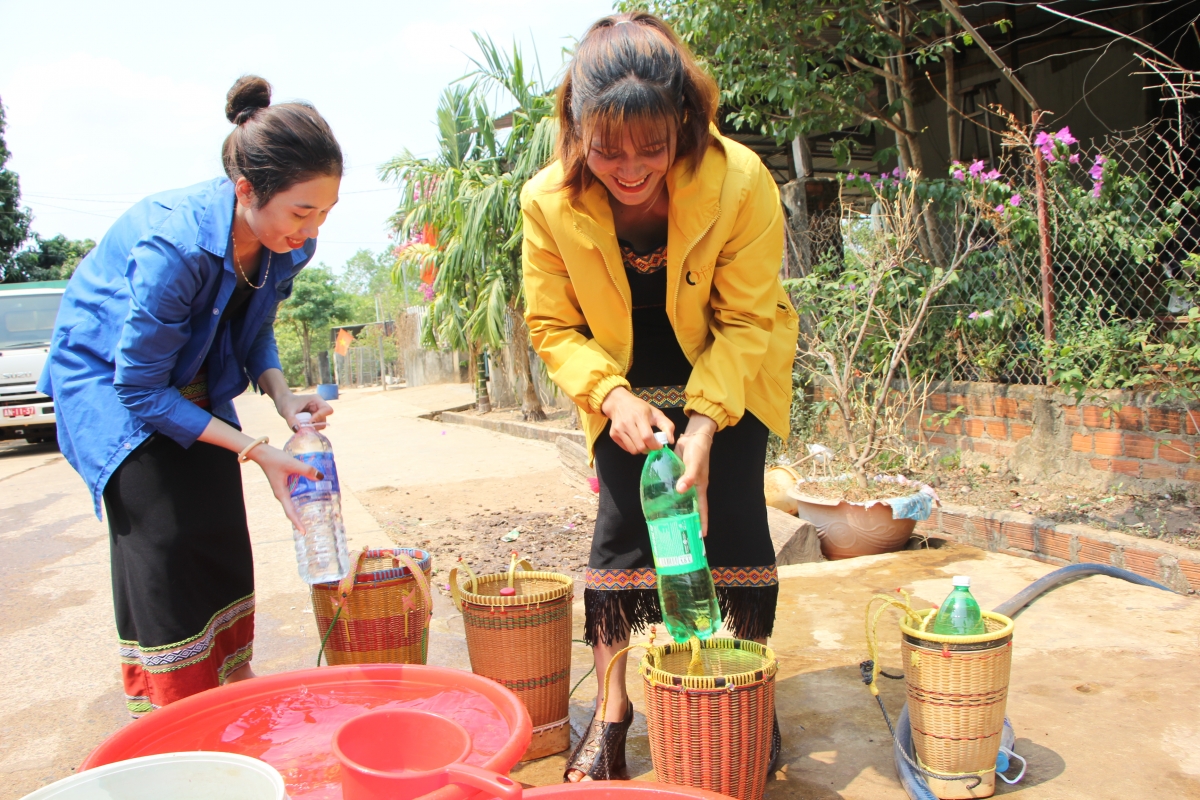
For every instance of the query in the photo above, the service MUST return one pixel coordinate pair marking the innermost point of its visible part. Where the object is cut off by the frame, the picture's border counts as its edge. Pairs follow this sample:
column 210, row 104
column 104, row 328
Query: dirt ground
column 1170, row 517
column 553, row 521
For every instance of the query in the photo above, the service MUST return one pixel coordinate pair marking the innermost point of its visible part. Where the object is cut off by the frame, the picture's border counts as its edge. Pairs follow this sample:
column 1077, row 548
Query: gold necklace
column 237, row 263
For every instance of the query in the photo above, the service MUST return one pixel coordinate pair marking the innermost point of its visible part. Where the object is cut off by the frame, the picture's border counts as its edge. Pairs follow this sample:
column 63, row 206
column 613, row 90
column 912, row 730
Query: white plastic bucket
column 180, row 776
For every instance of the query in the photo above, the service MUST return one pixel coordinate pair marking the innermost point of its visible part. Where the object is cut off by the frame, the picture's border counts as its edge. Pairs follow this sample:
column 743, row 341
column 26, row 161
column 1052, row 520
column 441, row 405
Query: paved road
column 61, row 693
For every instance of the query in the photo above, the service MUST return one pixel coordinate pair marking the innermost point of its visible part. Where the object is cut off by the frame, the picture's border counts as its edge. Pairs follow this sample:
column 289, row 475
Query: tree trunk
column 531, row 404
column 953, row 120
column 483, row 403
column 306, row 352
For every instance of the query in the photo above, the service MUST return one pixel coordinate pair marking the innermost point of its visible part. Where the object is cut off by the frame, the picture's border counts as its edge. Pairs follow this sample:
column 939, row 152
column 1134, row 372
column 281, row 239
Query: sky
column 107, row 102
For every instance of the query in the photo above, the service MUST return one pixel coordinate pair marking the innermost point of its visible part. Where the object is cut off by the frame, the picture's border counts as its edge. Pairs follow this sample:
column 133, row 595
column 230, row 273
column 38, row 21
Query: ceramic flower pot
column 777, row 483
column 849, row 529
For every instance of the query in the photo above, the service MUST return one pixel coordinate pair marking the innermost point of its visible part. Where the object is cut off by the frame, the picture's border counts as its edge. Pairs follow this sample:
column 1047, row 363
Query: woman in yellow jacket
column 651, row 260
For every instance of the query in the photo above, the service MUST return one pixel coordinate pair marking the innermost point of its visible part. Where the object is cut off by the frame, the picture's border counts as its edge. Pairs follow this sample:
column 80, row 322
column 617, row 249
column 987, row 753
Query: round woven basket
column 957, row 694
column 712, row 730
column 523, row 642
column 385, row 610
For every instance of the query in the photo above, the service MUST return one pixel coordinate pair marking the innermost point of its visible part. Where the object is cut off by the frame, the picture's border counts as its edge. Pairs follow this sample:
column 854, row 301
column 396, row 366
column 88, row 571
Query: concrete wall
column 422, row 367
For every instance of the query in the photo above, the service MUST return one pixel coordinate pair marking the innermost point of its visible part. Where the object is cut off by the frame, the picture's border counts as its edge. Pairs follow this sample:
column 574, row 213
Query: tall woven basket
column 957, row 694
column 522, row 641
column 711, row 730
column 384, row 607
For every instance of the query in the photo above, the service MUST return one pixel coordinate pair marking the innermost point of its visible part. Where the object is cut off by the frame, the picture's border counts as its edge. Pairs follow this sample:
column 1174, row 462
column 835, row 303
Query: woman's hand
column 694, row 448
column 278, row 466
column 634, row 421
column 289, row 405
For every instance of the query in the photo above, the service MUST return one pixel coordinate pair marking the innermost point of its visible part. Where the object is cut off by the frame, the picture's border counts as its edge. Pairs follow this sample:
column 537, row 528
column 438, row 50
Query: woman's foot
column 776, row 747
column 242, row 673
column 600, row 754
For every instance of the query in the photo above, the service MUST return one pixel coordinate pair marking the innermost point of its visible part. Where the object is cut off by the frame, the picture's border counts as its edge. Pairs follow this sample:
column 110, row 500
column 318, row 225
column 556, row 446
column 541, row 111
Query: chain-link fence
column 1122, row 228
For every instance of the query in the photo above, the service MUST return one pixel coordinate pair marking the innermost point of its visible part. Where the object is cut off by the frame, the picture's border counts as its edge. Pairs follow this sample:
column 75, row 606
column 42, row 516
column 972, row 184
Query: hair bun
column 248, row 94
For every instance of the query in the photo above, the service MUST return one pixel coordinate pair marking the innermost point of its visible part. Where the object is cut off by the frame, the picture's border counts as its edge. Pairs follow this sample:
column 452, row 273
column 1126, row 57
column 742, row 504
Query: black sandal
column 776, row 748
column 600, row 754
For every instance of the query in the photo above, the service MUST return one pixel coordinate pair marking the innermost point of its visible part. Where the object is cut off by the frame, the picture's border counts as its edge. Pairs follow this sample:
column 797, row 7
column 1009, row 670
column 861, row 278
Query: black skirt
column 182, row 570
column 620, row 594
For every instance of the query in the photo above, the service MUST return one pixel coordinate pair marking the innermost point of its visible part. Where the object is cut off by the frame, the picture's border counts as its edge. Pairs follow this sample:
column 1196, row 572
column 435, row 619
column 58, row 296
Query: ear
column 244, row 192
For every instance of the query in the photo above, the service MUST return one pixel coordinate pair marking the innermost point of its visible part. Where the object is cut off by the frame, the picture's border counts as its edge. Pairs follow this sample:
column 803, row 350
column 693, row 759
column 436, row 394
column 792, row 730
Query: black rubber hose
column 913, row 782
column 1060, row 577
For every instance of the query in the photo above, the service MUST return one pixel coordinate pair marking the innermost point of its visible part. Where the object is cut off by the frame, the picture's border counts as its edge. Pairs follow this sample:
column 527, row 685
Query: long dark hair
column 631, row 70
column 275, row 147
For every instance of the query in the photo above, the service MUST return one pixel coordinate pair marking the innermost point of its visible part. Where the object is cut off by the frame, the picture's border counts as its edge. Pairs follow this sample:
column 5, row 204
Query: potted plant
column 863, row 304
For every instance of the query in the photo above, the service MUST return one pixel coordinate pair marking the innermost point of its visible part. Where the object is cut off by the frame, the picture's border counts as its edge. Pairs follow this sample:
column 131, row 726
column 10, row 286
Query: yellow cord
column 872, row 630
column 696, row 665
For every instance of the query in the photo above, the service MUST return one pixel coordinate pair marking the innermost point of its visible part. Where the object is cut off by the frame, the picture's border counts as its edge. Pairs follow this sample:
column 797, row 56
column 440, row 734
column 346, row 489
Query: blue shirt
column 142, row 315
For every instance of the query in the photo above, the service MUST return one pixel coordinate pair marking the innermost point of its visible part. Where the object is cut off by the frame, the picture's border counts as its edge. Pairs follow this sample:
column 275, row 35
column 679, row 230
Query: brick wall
column 1040, row 434
column 1019, row 534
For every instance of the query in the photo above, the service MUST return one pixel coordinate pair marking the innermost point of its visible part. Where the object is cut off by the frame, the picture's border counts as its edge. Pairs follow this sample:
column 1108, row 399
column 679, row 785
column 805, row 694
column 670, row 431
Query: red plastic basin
column 288, row 721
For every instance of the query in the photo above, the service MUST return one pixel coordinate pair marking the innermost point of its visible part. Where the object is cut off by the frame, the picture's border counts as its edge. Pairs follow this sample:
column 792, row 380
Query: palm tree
column 470, row 194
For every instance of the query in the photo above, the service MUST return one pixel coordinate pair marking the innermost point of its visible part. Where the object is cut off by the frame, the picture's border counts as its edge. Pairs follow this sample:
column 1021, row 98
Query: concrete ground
column 1103, row 685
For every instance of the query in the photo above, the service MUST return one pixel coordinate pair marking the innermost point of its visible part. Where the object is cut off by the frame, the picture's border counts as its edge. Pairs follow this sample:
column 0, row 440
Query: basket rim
column 1006, row 629
column 653, row 674
column 566, row 586
column 424, row 561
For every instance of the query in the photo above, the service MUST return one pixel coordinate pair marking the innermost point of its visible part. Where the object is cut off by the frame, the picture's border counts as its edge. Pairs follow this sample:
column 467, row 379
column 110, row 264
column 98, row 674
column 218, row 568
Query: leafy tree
column 53, row 259
column 315, row 304
column 797, row 67
column 14, row 220
column 469, row 194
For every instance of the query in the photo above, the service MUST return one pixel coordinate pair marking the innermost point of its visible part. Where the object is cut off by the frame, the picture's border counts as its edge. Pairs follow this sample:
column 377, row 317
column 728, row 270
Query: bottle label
column 677, row 545
column 300, row 485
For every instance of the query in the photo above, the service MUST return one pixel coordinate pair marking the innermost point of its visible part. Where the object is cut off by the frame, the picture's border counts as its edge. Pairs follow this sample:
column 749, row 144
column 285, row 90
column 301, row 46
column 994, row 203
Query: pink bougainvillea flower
column 957, row 175
column 1097, row 170
column 1074, row 159
column 851, row 176
column 866, row 176
column 1015, row 200
column 990, row 175
column 973, row 315
column 1000, row 209
column 976, row 168
column 1096, row 188
column 1064, row 136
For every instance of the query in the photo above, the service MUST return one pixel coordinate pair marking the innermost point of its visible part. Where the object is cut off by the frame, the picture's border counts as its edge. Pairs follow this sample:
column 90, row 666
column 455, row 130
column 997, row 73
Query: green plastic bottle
column 685, row 584
column 959, row 614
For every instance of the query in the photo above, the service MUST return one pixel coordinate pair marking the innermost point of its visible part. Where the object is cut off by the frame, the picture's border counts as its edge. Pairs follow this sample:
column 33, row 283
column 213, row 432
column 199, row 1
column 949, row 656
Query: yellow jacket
column 725, row 302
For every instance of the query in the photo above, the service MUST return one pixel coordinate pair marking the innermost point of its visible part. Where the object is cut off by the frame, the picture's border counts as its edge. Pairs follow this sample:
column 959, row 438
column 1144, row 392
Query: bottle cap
column 962, row 580
column 661, row 438
column 303, row 418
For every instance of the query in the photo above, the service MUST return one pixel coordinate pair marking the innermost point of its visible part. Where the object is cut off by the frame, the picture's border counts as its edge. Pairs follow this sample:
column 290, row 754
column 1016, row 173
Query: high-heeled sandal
column 600, row 754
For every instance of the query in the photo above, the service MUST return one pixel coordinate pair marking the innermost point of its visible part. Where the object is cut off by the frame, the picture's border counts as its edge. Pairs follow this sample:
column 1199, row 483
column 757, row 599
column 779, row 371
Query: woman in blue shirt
column 162, row 326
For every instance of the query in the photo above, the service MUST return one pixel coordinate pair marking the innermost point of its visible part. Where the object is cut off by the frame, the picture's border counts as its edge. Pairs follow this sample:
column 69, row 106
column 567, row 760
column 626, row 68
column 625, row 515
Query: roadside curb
column 1019, row 534
column 523, row 430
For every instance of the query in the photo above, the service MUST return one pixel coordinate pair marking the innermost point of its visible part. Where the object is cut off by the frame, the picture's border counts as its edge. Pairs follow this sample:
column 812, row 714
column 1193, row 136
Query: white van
column 27, row 314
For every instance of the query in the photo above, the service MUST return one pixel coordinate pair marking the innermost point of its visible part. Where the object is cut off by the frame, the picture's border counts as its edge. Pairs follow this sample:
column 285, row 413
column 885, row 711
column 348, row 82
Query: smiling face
column 292, row 216
column 633, row 167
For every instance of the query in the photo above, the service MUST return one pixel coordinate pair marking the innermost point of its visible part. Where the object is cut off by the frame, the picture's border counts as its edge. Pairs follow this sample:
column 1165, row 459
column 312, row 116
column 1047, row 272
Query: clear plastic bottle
column 685, row 585
column 321, row 552
column 959, row 614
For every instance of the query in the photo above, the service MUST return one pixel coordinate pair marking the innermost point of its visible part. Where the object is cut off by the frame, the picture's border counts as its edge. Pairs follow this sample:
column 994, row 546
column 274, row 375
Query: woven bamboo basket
column 957, row 694
column 711, row 730
column 523, row 642
column 384, row 605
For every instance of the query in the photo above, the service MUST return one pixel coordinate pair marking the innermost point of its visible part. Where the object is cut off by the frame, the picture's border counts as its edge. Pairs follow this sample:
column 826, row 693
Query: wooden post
column 1043, row 218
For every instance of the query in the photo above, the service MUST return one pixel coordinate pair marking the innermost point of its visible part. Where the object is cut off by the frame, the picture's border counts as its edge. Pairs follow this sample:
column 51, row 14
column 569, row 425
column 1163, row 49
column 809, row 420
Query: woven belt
column 197, row 390
column 663, row 396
